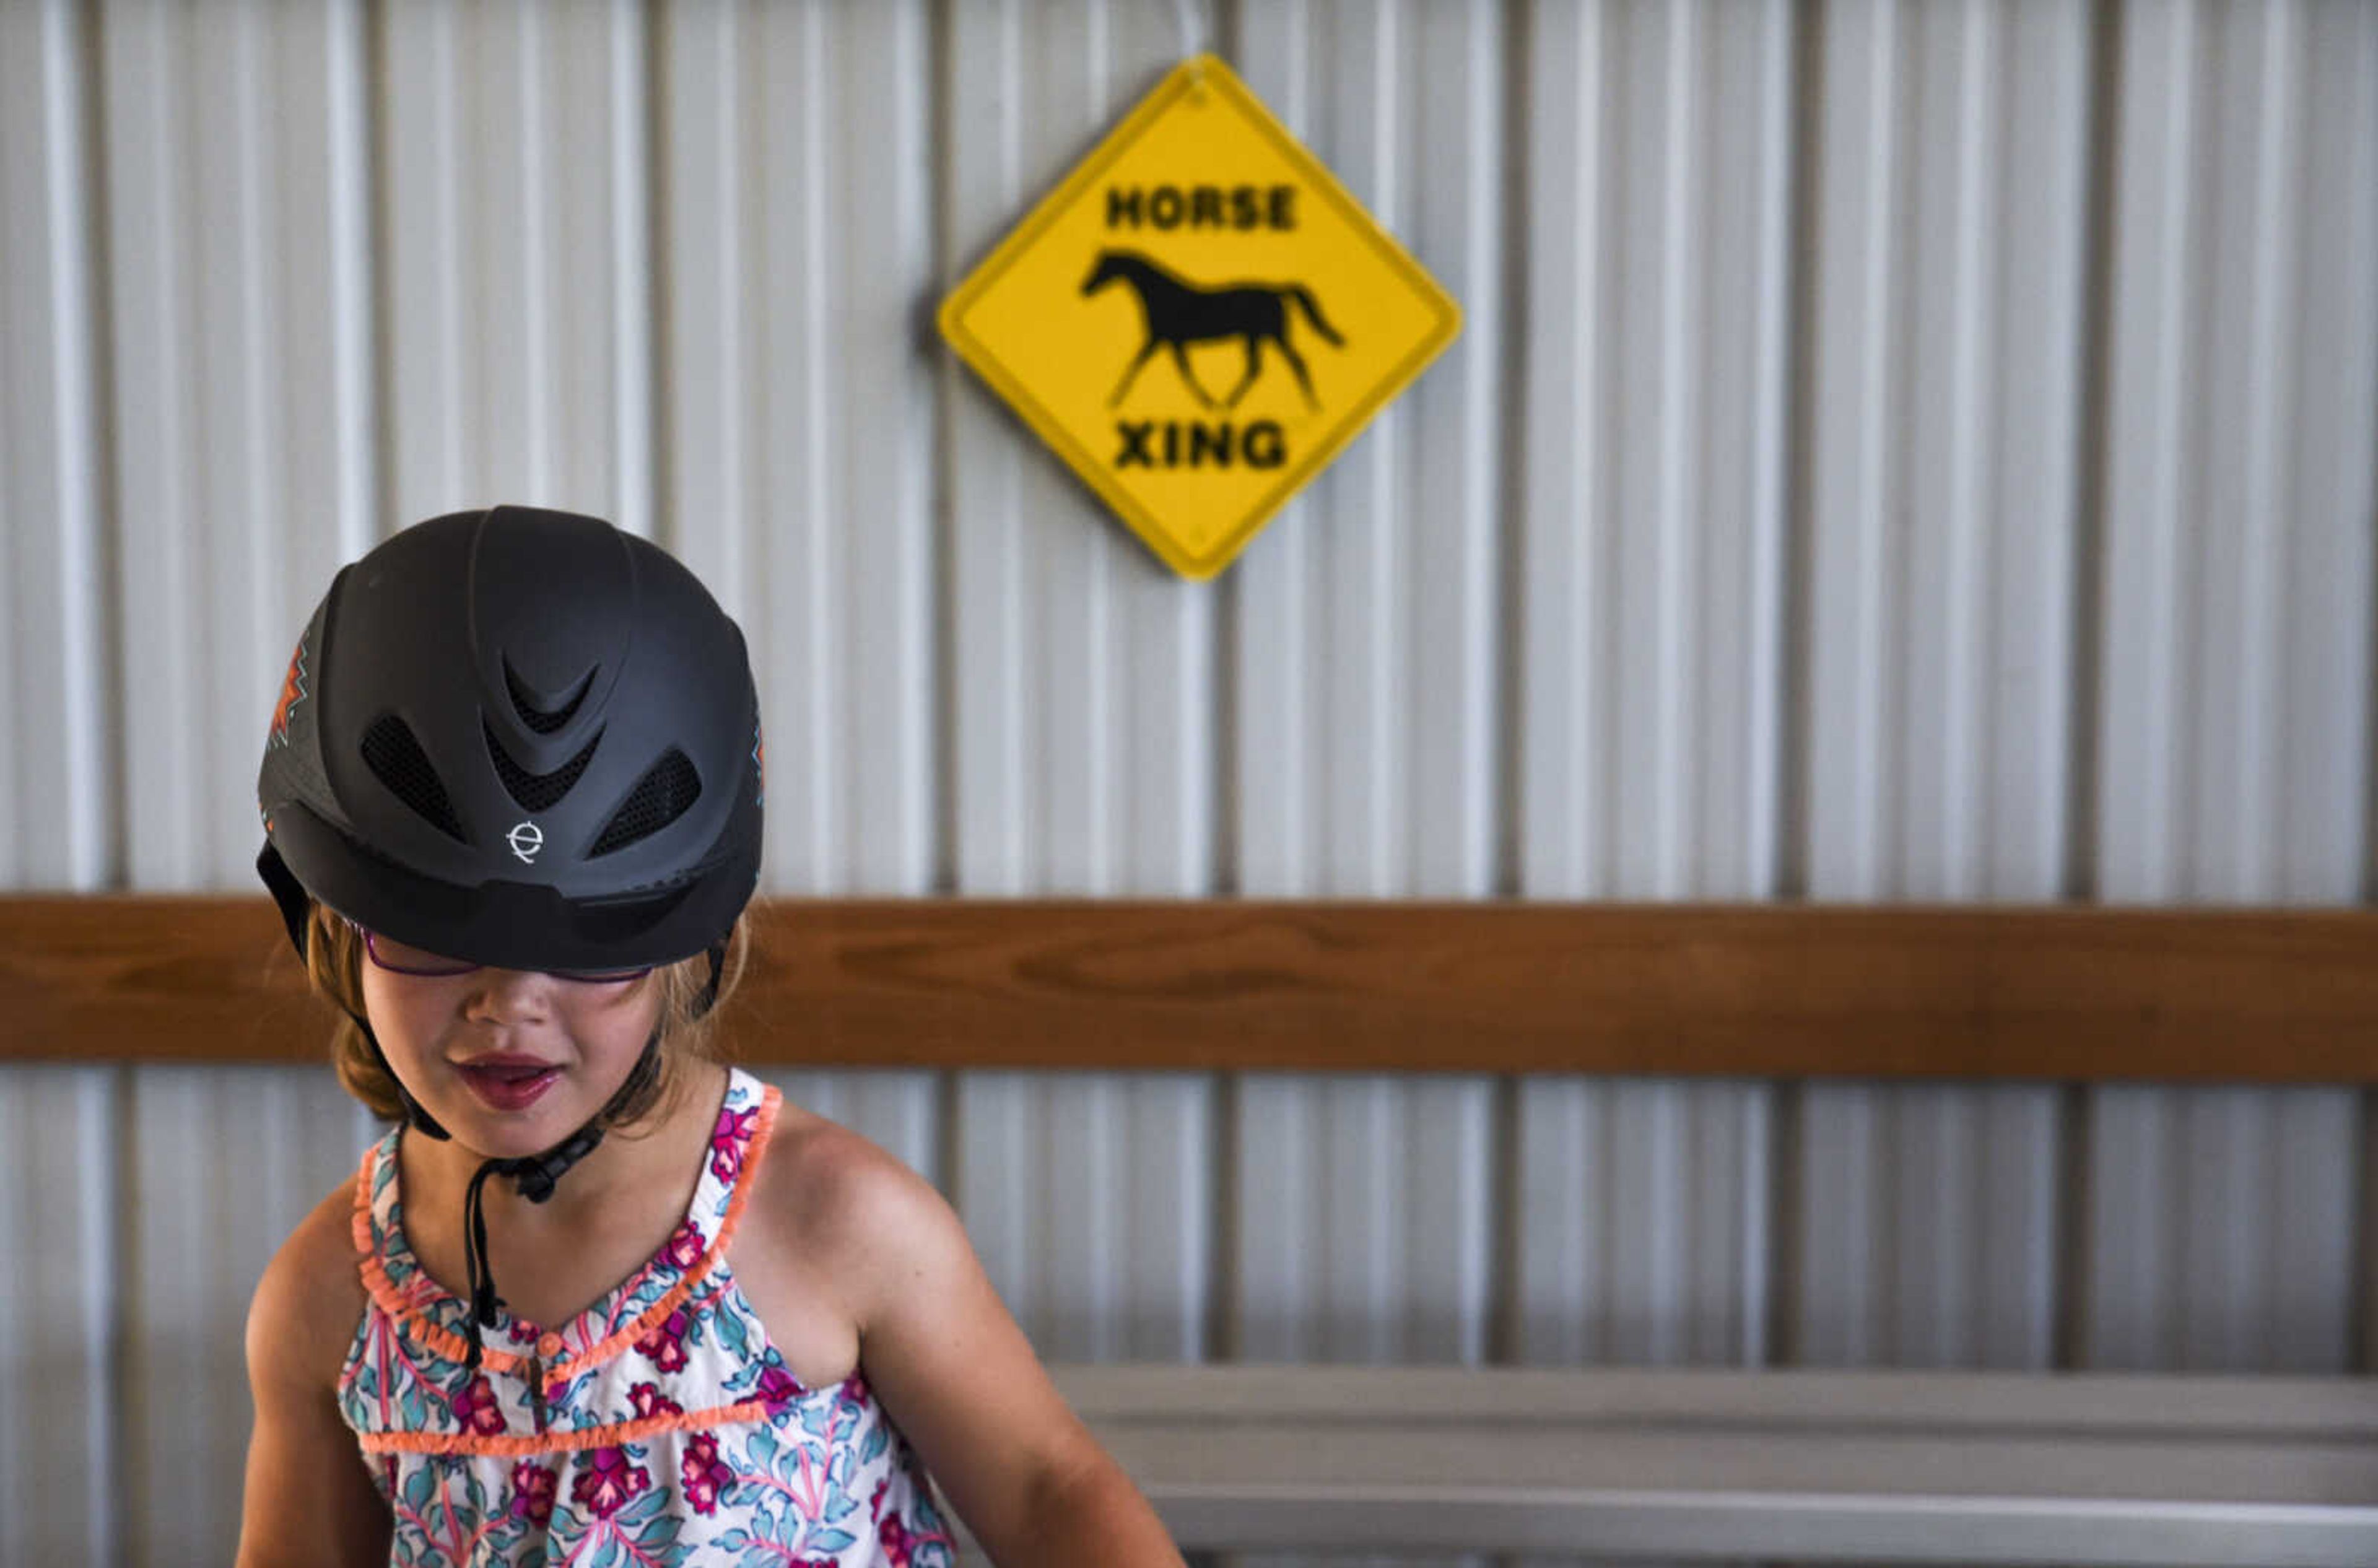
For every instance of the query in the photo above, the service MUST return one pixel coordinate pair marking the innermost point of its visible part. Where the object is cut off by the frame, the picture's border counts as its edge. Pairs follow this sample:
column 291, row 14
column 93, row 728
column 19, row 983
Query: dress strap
column 367, row 1220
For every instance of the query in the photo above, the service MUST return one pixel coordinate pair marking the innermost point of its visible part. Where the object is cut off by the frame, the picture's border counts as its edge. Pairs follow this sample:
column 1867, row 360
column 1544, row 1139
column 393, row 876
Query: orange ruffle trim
column 417, row 1324
column 520, row 1445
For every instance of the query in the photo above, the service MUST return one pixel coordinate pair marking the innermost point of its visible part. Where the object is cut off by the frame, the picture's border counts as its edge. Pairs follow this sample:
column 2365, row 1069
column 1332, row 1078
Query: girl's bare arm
column 959, row 1376
column 308, row 1499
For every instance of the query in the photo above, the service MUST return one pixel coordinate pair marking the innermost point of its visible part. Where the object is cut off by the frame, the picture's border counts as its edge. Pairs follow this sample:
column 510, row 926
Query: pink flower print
column 704, row 1476
column 519, row 1333
column 854, row 1388
column 533, row 1491
column 608, row 1482
column 892, row 1535
column 649, row 1400
column 778, row 1386
column 726, row 1143
column 685, row 1248
column 665, row 1345
column 474, row 1407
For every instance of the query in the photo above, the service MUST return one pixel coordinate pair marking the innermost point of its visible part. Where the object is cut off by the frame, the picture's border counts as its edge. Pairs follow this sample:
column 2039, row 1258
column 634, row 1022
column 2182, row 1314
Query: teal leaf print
column 643, row 1508
column 829, row 1540
column 873, row 1449
column 733, row 1336
column 735, row 1540
column 773, row 1508
column 840, row 1506
column 662, row 1535
column 569, row 1529
column 608, row 1557
column 474, row 1493
column 417, row 1487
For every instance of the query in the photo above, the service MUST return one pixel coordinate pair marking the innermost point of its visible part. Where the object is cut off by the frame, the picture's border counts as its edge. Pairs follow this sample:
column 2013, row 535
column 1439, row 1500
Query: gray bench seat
column 2151, row 1471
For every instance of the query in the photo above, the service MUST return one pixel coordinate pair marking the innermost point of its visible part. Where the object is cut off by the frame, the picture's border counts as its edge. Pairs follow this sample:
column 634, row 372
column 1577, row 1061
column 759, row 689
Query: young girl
column 512, row 802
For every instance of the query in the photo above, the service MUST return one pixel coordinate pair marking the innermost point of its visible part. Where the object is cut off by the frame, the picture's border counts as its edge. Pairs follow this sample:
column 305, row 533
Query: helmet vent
column 396, row 758
column 537, row 792
column 666, row 792
column 524, row 703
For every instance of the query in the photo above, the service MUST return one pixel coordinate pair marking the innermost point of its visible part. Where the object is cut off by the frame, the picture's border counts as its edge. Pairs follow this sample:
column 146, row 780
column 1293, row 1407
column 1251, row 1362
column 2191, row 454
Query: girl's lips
column 508, row 1086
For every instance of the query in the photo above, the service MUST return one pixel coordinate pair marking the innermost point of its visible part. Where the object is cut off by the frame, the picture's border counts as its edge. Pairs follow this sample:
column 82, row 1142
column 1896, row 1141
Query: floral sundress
column 659, row 1426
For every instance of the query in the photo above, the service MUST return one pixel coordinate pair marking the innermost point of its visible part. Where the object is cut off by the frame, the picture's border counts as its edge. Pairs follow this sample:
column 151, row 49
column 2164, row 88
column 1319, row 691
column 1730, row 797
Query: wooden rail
column 1767, row 990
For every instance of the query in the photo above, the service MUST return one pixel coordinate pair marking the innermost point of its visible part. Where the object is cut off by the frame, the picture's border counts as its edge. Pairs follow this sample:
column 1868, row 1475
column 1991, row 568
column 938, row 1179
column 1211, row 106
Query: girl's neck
column 660, row 1148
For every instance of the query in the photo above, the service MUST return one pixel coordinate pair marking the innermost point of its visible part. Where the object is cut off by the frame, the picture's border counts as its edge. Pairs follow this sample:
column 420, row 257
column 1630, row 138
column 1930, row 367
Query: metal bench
column 2149, row 1471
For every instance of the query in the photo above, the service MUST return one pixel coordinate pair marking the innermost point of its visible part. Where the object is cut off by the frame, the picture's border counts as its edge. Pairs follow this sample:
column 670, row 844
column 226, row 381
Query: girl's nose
column 512, row 996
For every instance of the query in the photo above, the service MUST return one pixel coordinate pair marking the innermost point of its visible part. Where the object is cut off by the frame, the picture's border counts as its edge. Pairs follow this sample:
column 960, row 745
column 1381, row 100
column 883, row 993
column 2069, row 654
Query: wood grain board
column 2063, row 993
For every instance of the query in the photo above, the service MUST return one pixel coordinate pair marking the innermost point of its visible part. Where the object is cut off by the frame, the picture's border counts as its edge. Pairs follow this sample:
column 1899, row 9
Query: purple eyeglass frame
column 575, row 977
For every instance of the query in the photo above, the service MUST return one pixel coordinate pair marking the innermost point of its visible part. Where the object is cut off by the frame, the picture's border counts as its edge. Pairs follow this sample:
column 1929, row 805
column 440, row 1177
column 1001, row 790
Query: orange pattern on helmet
column 292, row 692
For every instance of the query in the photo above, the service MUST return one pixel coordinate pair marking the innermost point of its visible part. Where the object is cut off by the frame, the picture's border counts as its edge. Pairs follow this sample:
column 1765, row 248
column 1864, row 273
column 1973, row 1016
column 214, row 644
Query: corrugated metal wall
column 1894, row 452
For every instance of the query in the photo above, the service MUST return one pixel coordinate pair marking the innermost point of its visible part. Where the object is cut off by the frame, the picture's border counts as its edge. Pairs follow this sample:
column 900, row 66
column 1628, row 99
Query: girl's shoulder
column 826, row 1195
column 311, row 1298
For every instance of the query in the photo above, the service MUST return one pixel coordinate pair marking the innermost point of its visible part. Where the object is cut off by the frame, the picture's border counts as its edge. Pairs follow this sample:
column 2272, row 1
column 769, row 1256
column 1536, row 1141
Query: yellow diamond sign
column 1199, row 318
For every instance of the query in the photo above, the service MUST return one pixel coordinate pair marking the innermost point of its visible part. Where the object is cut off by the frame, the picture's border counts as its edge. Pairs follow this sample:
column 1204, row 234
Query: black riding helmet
column 527, row 739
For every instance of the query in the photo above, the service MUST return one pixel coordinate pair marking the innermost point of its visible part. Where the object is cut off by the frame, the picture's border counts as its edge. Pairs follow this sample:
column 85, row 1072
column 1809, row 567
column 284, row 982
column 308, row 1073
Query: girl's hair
column 334, row 959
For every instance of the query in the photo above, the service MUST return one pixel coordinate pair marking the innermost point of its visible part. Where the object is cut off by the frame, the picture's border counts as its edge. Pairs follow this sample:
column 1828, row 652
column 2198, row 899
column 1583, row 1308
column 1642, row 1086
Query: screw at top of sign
column 1191, row 16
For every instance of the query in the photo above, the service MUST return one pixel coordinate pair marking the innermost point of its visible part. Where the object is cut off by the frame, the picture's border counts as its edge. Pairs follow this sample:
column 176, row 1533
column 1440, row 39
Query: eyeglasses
column 403, row 958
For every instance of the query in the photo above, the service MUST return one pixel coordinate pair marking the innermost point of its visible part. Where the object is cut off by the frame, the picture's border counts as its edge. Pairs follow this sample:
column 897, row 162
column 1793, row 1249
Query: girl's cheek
column 403, row 1024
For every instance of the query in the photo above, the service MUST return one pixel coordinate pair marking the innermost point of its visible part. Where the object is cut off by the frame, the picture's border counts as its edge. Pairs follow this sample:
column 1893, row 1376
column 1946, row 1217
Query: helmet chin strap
column 533, row 1176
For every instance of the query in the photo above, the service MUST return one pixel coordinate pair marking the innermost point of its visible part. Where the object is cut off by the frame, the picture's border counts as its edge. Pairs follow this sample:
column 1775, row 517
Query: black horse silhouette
column 1179, row 313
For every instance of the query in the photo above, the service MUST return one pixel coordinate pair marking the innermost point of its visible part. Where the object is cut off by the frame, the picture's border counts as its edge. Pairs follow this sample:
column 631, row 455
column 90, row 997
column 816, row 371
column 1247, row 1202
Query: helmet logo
column 292, row 692
column 525, row 840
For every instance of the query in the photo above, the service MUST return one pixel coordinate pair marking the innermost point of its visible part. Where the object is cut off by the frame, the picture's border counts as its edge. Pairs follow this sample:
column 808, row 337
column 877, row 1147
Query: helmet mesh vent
column 666, row 792
column 396, row 758
column 536, row 718
column 537, row 792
